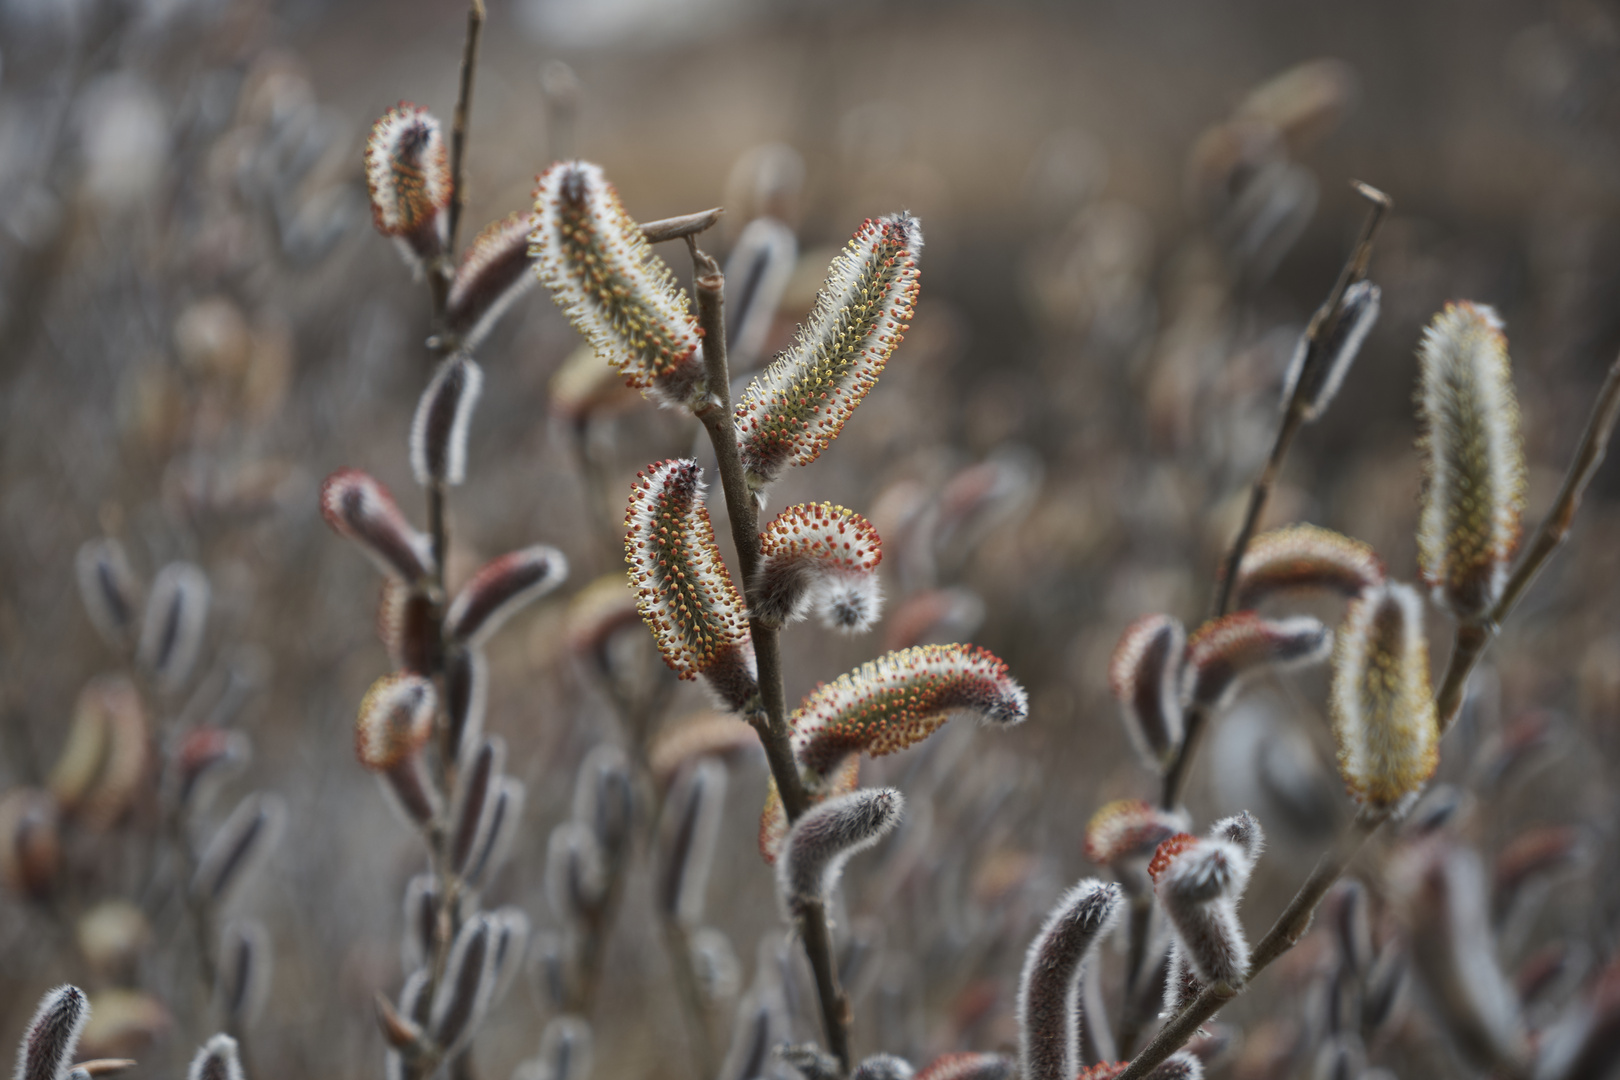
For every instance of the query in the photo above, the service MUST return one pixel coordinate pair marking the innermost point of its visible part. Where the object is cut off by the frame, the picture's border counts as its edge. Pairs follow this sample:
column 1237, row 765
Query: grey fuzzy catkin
column 1048, row 990
column 824, row 839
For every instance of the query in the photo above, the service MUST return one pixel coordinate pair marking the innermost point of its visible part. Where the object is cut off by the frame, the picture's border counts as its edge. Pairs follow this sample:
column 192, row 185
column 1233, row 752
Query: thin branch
column 678, row 228
column 1283, row 935
column 1323, row 323
column 458, row 130
column 1474, row 637
column 709, row 286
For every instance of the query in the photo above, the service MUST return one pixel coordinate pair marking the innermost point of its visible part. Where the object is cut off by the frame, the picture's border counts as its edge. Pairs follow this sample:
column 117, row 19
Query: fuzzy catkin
column 824, row 839
column 1048, row 990
column 1473, row 495
column 1384, row 717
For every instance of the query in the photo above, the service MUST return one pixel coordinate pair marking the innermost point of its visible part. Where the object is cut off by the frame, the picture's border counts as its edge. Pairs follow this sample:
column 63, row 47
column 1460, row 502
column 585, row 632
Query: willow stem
column 709, row 286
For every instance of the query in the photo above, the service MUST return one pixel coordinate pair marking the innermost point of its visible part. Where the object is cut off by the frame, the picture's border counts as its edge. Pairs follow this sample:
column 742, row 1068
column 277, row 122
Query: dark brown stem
column 458, row 129
column 715, row 413
column 1474, row 637
column 1283, row 935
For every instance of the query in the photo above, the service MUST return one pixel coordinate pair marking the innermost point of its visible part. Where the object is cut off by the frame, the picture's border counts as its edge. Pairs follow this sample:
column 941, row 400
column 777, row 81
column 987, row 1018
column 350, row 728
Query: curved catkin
column 443, row 414
column 1145, row 677
column 500, row 589
column 1128, row 828
column 968, row 1065
column 493, row 273
column 46, row 1050
column 360, row 508
column 798, row 405
column 1198, row 883
column 689, row 836
column 1224, row 651
column 408, row 179
column 172, row 625
column 900, row 699
column 1318, row 373
column 1048, row 990
column 1383, row 711
column 110, row 590
column 1474, row 462
column 820, row 843
column 823, row 556
column 757, row 272
column 1305, row 557
column 592, row 256
column 683, row 590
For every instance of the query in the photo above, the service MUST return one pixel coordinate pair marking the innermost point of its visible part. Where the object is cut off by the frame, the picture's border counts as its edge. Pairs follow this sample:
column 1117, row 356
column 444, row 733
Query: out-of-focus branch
column 1320, row 331
column 458, row 130
column 1474, row 637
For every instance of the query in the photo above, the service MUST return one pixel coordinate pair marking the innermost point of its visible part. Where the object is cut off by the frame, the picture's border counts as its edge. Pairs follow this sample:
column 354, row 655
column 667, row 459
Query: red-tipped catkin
column 798, row 405
column 46, row 1052
column 495, row 271
column 900, row 699
column 683, row 589
column 1048, row 999
column 217, row 1059
column 1383, row 712
column 109, row 589
column 202, row 754
column 443, row 414
column 691, row 832
column 1474, row 469
column 822, row 556
column 1198, row 883
column 408, row 179
column 970, row 1066
column 1226, row 650
column 361, row 509
column 172, row 626
column 1128, row 829
column 1318, row 373
column 1145, row 675
column 615, row 291
column 773, row 819
column 1305, row 557
column 240, row 846
column 825, row 838
column 500, row 590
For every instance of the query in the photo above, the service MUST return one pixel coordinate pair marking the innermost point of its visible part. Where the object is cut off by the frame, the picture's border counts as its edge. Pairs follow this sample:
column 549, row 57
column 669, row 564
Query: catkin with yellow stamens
column 1474, row 472
column 1383, row 711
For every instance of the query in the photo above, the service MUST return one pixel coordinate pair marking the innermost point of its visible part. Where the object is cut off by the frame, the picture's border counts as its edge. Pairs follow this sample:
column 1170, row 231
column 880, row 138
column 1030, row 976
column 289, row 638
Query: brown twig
column 1321, row 328
column 1474, row 637
column 458, row 130
column 678, row 228
column 709, row 286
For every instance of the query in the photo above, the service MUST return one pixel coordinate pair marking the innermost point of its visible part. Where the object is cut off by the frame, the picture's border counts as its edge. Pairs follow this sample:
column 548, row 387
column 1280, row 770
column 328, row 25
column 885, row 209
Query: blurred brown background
column 197, row 324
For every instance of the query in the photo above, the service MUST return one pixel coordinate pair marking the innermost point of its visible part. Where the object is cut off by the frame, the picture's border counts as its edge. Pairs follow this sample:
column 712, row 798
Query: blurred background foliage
column 1131, row 209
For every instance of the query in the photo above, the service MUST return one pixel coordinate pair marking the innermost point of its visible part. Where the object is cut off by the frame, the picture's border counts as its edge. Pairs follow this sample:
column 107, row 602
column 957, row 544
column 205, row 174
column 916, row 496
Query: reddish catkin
column 1474, row 470
column 493, row 273
column 1227, row 650
column 900, row 699
column 1145, row 675
column 361, row 509
column 1305, row 557
column 592, row 256
column 1128, row 828
column 821, row 556
column 798, row 405
column 683, row 590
